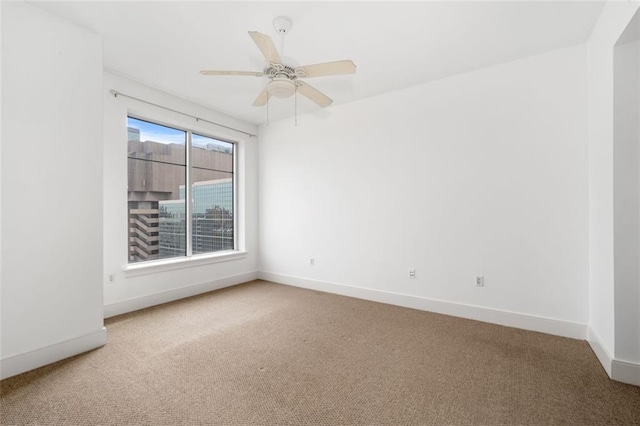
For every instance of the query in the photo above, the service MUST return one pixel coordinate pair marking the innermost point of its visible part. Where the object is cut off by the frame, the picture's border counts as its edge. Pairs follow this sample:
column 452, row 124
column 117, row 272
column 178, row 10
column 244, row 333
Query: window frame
column 190, row 259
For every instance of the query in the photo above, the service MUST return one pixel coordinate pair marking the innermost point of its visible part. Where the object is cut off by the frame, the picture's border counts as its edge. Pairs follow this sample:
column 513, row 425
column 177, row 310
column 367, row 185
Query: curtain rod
column 115, row 94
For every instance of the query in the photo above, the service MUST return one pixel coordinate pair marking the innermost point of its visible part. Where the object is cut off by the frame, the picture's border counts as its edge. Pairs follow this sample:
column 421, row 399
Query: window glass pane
column 153, row 142
column 212, row 215
column 156, row 192
column 156, row 182
column 212, row 189
column 211, row 154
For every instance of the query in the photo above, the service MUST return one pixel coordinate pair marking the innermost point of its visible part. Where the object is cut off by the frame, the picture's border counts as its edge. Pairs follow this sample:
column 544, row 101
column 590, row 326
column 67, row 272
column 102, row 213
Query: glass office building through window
column 181, row 192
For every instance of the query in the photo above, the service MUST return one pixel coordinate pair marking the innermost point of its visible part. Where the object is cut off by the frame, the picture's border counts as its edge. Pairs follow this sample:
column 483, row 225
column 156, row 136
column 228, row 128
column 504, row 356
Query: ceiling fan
column 285, row 77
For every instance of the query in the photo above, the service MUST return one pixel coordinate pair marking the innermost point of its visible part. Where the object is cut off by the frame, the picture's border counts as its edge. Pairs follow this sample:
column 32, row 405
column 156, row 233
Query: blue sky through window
column 204, row 141
column 157, row 133
column 163, row 134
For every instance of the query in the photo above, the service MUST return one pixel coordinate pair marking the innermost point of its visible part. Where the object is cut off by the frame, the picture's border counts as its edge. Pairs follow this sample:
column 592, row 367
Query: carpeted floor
column 263, row 353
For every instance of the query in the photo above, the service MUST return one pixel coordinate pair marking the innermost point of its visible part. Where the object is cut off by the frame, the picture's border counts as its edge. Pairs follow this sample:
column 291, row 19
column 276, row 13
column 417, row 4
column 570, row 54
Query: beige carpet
column 262, row 353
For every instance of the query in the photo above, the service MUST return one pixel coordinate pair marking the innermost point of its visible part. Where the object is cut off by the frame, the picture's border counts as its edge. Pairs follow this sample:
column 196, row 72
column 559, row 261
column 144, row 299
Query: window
column 175, row 174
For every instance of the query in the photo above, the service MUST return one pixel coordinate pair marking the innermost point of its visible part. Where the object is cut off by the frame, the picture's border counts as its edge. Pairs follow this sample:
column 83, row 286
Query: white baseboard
column 18, row 364
column 618, row 370
column 625, row 372
column 511, row 319
column 600, row 349
column 142, row 302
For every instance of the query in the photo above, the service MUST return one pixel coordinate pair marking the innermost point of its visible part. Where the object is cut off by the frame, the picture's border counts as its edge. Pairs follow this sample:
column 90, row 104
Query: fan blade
column 266, row 46
column 314, row 94
column 219, row 72
column 262, row 98
column 328, row 68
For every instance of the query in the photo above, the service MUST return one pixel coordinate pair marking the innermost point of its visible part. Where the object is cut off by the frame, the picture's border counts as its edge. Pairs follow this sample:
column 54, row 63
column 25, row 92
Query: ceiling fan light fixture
column 286, row 78
column 281, row 88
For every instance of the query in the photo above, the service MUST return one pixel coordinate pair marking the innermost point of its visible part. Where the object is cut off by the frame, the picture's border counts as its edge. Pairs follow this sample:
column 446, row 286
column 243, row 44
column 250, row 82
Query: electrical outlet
column 479, row 281
column 312, row 261
column 412, row 273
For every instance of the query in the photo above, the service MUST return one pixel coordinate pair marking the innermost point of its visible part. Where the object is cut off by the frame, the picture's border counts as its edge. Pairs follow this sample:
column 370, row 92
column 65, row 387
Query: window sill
column 158, row 266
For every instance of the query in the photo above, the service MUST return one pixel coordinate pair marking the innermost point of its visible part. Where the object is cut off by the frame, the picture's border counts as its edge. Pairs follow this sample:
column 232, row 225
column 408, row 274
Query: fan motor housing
column 275, row 70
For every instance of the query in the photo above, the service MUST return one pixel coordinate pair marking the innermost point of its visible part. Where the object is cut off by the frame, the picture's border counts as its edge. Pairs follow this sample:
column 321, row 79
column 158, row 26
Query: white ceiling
column 395, row 45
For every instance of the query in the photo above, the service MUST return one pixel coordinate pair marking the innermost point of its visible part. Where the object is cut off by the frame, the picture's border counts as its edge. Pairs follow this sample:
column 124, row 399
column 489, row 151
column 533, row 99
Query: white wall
column 626, row 190
column 51, row 189
column 138, row 289
column 1, row 161
column 483, row 173
column 602, row 315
